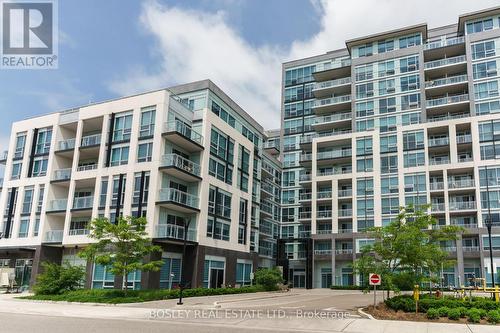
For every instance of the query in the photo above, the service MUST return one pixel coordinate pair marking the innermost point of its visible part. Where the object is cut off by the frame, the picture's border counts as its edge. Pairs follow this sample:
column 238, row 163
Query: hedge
column 407, row 303
column 350, row 287
column 115, row 296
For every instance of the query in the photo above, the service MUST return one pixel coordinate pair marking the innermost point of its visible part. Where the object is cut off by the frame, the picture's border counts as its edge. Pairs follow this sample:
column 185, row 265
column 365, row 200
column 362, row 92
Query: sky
column 112, row 48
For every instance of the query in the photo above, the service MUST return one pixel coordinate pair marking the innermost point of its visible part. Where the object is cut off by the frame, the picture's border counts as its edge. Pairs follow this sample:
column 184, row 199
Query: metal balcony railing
column 332, row 83
column 464, row 138
column 183, row 198
column 332, row 118
column 438, row 207
column 332, row 100
column 334, row 154
column 461, row 183
column 444, row 42
column 434, row 186
column 434, row 142
column 446, row 81
column 345, row 212
column 184, row 130
column 344, row 193
column 447, row 100
column 333, row 65
column 181, row 163
column 87, row 167
column 444, row 62
column 323, row 214
column 78, row 232
column 343, row 251
column 324, row 195
column 462, row 205
column 322, row 252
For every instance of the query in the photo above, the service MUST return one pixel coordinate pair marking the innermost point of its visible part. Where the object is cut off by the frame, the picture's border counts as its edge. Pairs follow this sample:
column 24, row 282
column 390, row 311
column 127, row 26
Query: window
column 28, row 200
column 389, row 185
column 243, row 271
column 385, row 45
column 24, row 227
column 364, row 146
column 413, row 140
column 495, row 243
column 409, row 82
column 119, row 155
column 223, row 114
column 410, row 102
column 410, row 118
column 387, row 105
column 43, row 141
column 389, row 164
column 243, row 217
column 364, row 164
column 408, row 64
column 102, row 278
column 483, row 49
column 16, row 170
column 137, row 188
column 413, row 158
column 409, row 41
column 170, row 273
column 218, row 229
column 221, row 156
column 390, row 205
column 487, row 107
column 364, row 109
column 40, row 166
column 36, row 227
column 219, row 203
column 39, row 204
column 364, row 90
column 365, row 125
column 415, row 182
column 299, row 75
column 243, row 168
column 104, row 191
column 365, row 50
column 122, row 127
column 479, row 26
column 147, row 122
column 386, row 87
column 116, row 185
column 362, row 243
column 484, row 69
column 486, row 89
column 388, row 144
column 364, row 72
column 387, row 124
column 20, row 144
column 386, row 68
column 145, row 152
column 365, row 186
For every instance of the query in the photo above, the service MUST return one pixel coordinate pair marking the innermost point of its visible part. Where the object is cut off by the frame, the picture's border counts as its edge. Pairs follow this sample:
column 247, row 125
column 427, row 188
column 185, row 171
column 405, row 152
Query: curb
column 366, row 315
column 217, row 304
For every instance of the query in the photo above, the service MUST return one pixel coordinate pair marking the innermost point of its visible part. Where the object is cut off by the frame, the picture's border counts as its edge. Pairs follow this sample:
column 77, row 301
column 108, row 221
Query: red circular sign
column 375, row 278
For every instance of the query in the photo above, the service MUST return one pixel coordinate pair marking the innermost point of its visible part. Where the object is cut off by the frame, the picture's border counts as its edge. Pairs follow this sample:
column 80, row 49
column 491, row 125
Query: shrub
column 493, row 316
column 352, row 287
column 268, row 278
column 57, row 279
column 474, row 315
column 404, row 303
column 433, row 313
column 443, row 311
column 454, row 313
column 463, row 311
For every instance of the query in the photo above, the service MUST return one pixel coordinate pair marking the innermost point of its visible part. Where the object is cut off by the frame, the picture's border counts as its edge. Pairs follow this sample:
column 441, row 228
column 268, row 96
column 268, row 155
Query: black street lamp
column 489, row 223
column 182, row 283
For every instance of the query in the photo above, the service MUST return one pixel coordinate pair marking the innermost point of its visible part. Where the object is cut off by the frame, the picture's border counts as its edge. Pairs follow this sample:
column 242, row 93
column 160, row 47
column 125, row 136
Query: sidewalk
column 214, row 317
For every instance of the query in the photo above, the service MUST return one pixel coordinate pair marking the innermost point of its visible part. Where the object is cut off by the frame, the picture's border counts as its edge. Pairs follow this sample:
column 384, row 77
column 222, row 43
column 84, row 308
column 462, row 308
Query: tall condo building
column 188, row 158
column 408, row 116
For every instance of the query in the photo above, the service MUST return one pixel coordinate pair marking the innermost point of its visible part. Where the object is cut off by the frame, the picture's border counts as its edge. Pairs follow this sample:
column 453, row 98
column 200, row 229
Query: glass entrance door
column 299, row 279
column 23, row 272
column 216, row 278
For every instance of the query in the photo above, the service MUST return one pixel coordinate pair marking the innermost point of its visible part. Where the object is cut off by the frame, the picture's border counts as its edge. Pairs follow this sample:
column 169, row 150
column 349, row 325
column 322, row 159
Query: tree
column 406, row 249
column 268, row 277
column 122, row 246
column 57, row 279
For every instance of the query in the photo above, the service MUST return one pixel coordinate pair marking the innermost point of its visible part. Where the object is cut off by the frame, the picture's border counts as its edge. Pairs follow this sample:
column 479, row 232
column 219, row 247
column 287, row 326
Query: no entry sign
column 375, row 279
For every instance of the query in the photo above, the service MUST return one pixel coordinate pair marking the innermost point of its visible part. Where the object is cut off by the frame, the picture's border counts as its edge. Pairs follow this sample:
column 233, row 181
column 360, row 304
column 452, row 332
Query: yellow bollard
column 416, row 296
column 496, row 294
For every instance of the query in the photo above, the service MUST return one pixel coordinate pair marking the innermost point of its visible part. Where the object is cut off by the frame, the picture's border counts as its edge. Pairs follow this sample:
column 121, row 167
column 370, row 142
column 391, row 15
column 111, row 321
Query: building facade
column 188, row 158
column 408, row 116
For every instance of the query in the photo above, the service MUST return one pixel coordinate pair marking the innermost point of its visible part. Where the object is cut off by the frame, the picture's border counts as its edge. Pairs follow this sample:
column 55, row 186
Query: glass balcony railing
column 304, row 215
column 345, row 193
column 86, row 167
column 343, row 251
column 332, row 118
column 464, row 138
column 447, row 100
column 83, row 202
column 78, row 232
column 183, row 198
column 446, row 81
column 175, row 232
column 57, row 205
column 434, row 142
column 332, row 83
column 334, row 154
column 444, row 42
column 306, row 157
column 323, row 214
column 445, row 62
column 332, row 100
column 181, row 163
column 345, row 212
column 437, row 207
column 323, row 252
column 461, row 183
column 62, row 174
column 184, row 130
column 66, row 144
column 439, row 160
column 462, row 205
column 91, row 140
column 324, row 195
column 339, row 63
column 53, row 236
column 435, row 186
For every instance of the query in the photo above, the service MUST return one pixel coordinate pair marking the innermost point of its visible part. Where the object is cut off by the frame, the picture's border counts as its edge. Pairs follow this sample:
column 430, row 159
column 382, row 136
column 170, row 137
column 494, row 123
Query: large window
column 484, row 69
column 413, row 140
column 20, row 145
column 28, row 200
column 479, row 26
column 243, row 271
column 219, row 210
column 40, row 166
column 16, row 170
column 221, row 156
column 483, row 49
column 147, row 122
column 43, row 141
column 486, row 89
column 102, row 278
column 119, row 155
column 243, row 217
column 122, row 127
column 243, row 168
column 145, row 152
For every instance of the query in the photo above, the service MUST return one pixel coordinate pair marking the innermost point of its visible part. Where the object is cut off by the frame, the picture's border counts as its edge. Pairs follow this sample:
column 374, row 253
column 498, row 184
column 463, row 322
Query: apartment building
column 192, row 162
column 409, row 116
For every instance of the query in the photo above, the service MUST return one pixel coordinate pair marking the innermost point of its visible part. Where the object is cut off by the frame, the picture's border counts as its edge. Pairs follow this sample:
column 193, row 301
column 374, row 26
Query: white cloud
column 194, row 45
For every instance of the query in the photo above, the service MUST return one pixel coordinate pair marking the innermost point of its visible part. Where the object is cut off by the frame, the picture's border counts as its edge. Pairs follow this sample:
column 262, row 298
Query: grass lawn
column 114, row 296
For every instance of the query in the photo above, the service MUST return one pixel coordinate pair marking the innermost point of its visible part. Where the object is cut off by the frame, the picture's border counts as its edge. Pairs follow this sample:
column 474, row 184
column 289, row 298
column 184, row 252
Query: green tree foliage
column 406, row 251
column 268, row 278
column 122, row 246
column 57, row 279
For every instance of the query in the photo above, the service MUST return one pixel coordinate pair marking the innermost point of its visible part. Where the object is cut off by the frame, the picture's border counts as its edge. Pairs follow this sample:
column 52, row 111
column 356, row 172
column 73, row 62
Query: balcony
column 272, row 147
column 345, row 213
column 444, row 43
column 462, row 205
column 332, row 104
column 442, row 67
column 180, row 167
column 448, row 116
column 3, row 157
column 78, row 232
column 326, row 156
column 438, row 142
column 183, row 136
column 306, row 158
column 450, row 85
column 61, row 175
column 91, row 141
column 461, row 183
column 444, row 47
column 57, row 205
column 324, row 214
column 334, row 68
column 87, row 167
column 448, row 103
column 174, row 232
column 324, row 195
column 344, row 193
column 83, row 203
column 305, row 215
column 436, row 186
column 65, row 145
column 438, row 207
column 305, row 196
column 330, row 121
column 343, row 251
column 470, row 248
column 53, row 236
column 174, row 199
column 439, row 160
column 332, row 87
column 464, row 139
column 305, row 177
column 320, row 253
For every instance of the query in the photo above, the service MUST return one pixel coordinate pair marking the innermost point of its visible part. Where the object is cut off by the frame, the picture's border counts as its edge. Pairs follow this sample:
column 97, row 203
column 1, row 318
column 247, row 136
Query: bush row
column 352, row 287
column 407, row 303
column 474, row 315
column 115, row 296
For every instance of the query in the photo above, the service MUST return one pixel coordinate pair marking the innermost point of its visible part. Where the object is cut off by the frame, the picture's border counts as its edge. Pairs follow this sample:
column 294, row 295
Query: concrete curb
column 366, row 315
column 217, row 304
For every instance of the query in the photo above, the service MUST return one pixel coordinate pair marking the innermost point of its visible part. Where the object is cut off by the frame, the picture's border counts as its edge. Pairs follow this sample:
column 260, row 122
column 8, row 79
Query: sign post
column 374, row 280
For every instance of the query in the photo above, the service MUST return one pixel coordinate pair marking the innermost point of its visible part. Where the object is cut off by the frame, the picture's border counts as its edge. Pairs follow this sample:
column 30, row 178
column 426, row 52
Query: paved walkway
column 226, row 313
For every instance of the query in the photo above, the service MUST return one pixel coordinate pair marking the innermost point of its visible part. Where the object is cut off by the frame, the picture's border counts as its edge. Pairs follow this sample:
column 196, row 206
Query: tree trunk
column 125, row 278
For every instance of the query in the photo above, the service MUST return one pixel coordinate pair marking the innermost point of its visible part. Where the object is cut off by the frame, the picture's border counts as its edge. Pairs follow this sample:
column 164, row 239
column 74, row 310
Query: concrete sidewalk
column 225, row 318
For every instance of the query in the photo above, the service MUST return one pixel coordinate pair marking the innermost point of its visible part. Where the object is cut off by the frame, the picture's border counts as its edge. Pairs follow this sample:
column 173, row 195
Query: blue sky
column 109, row 48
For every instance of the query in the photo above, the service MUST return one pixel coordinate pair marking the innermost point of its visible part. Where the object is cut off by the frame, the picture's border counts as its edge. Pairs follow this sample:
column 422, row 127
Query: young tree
column 121, row 246
column 408, row 246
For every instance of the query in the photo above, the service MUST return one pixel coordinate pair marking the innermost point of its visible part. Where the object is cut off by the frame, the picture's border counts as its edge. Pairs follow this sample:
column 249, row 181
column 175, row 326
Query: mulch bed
column 381, row 311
